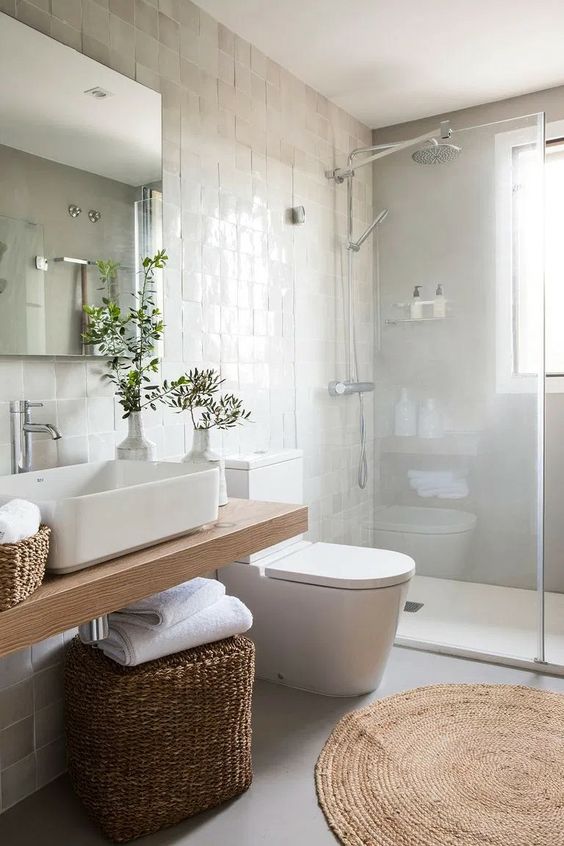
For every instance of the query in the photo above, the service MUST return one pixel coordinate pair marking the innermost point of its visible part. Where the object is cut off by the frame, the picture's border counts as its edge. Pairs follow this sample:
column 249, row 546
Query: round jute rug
column 471, row 765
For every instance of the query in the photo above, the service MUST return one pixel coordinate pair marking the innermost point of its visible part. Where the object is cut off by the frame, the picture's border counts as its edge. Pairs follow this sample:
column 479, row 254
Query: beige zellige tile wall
column 245, row 291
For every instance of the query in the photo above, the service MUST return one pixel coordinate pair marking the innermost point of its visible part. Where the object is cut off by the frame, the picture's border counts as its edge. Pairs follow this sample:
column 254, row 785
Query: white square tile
column 96, row 384
column 100, row 413
column 70, row 378
column 71, row 417
column 102, row 447
column 15, row 667
column 47, row 652
column 11, row 380
column 39, row 380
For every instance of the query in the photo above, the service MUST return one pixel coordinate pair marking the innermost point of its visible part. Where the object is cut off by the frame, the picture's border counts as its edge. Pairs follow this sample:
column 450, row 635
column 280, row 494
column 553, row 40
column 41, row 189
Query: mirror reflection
column 80, row 184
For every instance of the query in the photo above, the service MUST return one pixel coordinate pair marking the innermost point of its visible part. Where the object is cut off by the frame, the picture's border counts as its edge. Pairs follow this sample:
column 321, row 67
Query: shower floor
column 481, row 618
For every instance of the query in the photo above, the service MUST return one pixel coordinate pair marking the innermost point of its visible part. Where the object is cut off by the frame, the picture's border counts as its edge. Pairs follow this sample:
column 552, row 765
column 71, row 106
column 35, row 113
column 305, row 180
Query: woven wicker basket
column 22, row 567
column 148, row 746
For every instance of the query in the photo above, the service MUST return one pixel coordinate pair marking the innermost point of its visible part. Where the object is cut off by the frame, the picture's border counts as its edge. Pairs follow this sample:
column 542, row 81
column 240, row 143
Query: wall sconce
column 74, row 211
column 94, row 216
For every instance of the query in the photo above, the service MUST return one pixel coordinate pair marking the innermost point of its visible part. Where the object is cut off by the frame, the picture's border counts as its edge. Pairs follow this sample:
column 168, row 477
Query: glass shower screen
column 462, row 493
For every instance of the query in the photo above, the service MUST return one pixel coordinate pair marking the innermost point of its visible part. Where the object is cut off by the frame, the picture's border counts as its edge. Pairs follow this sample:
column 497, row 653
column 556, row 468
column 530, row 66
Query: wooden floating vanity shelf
column 63, row 602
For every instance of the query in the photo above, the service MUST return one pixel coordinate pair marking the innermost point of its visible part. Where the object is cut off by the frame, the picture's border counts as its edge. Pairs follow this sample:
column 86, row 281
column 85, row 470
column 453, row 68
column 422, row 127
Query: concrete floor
column 290, row 728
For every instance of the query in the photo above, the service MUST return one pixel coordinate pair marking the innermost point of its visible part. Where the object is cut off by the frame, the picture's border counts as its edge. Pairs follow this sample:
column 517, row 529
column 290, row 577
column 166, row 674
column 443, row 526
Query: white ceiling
column 390, row 61
column 44, row 110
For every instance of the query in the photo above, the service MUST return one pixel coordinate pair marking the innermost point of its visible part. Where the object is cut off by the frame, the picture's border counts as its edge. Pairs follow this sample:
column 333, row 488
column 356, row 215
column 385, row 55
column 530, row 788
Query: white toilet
column 325, row 615
column 438, row 539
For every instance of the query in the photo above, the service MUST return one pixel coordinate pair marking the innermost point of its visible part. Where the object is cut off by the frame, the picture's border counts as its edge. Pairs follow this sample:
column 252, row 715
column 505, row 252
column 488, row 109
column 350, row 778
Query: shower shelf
column 452, row 443
column 393, row 321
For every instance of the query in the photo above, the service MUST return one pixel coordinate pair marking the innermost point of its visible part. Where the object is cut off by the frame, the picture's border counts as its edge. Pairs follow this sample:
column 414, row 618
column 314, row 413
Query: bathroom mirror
column 80, row 182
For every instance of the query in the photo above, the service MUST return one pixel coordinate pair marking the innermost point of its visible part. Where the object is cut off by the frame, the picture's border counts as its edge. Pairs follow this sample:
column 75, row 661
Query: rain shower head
column 436, row 152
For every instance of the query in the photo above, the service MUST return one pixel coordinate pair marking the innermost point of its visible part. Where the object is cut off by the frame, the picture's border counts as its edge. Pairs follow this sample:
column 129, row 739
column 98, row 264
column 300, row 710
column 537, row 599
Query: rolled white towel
column 19, row 519
column 132, row 645
column 169, row 607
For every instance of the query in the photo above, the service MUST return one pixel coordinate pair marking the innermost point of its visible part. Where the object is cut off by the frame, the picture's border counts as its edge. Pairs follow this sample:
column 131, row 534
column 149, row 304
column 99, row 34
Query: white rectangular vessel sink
column 101, row 510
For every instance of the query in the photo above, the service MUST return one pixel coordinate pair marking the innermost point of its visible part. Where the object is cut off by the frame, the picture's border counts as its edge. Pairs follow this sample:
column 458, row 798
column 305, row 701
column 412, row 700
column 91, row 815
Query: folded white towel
column 454, row 490
column 460, row 493
column 19, row 519
column 131, row 645
column 431, row 475
column 456, row 483
column 169, row 607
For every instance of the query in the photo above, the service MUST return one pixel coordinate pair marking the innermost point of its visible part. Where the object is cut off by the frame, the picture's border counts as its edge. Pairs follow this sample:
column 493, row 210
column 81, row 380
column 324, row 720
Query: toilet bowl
column 438, row 539
column 325, row 615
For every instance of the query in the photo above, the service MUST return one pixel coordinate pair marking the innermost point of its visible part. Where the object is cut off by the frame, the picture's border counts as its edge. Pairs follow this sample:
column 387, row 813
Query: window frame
column 508, row 381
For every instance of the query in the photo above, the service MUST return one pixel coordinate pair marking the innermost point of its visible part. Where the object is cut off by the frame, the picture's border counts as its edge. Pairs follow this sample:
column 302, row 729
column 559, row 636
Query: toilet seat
column 346, row 567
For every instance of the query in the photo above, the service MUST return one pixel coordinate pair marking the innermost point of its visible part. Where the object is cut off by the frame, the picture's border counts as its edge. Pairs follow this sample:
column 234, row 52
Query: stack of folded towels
column 19, row 519
column 182, row 617
column 443, row 484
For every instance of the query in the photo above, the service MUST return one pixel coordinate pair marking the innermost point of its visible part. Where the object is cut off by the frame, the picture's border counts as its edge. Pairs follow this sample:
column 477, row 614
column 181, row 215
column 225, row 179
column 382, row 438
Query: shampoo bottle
column 416, row 308
column 405, row 416
column 430, row 424
column 439, row 304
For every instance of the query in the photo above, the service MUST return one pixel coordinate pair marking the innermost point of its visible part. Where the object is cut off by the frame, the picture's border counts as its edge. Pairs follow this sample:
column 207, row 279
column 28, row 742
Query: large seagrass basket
column 148, row 746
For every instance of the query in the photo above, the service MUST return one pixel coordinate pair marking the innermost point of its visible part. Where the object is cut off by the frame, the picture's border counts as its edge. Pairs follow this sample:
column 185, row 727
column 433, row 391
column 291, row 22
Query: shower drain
column 412, row 607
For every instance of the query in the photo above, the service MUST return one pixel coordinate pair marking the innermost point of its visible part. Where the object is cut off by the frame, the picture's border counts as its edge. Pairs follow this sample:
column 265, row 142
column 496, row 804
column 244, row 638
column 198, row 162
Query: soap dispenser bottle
column 405, row 416
column 439, row 303
column 416, row 308
column 430, row 423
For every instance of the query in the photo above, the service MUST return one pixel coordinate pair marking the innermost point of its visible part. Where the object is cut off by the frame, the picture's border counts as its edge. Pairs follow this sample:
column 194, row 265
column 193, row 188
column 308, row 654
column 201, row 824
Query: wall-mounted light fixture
column 74, row 211
column 94, row 215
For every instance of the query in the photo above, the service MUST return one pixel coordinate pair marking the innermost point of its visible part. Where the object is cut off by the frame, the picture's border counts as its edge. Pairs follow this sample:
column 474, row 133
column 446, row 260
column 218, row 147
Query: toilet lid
column 339, row 566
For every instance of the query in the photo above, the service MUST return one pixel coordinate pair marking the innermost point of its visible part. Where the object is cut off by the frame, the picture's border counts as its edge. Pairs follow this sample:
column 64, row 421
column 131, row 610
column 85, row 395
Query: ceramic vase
column 201, row 453
column 136, row 447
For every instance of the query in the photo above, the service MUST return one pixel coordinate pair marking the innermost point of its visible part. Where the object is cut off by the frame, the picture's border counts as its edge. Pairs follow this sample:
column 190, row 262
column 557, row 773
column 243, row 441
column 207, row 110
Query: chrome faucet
column 21, row 429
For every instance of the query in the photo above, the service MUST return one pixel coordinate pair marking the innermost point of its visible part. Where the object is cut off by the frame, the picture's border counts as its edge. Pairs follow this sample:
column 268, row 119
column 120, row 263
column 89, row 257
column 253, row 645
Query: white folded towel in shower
column 454, row 490
column 19, row 519
column 444, row 484
column 130, row 645
column 171, row 606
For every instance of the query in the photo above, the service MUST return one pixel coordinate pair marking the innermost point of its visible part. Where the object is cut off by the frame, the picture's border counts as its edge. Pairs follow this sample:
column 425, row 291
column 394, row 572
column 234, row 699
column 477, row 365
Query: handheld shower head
column 436, row 152
column 356, row 245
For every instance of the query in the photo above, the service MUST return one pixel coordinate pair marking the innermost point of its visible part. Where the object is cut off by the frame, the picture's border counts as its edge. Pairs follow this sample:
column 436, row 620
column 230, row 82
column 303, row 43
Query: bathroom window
column 519, row 260
column 554, row 257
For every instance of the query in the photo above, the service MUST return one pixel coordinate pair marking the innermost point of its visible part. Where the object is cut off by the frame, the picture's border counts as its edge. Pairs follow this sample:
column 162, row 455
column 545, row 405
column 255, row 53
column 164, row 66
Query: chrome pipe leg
column 94, row 630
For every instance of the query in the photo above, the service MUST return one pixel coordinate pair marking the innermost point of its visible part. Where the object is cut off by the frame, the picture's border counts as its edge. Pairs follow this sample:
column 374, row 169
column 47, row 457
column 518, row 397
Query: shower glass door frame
column 525, row 220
